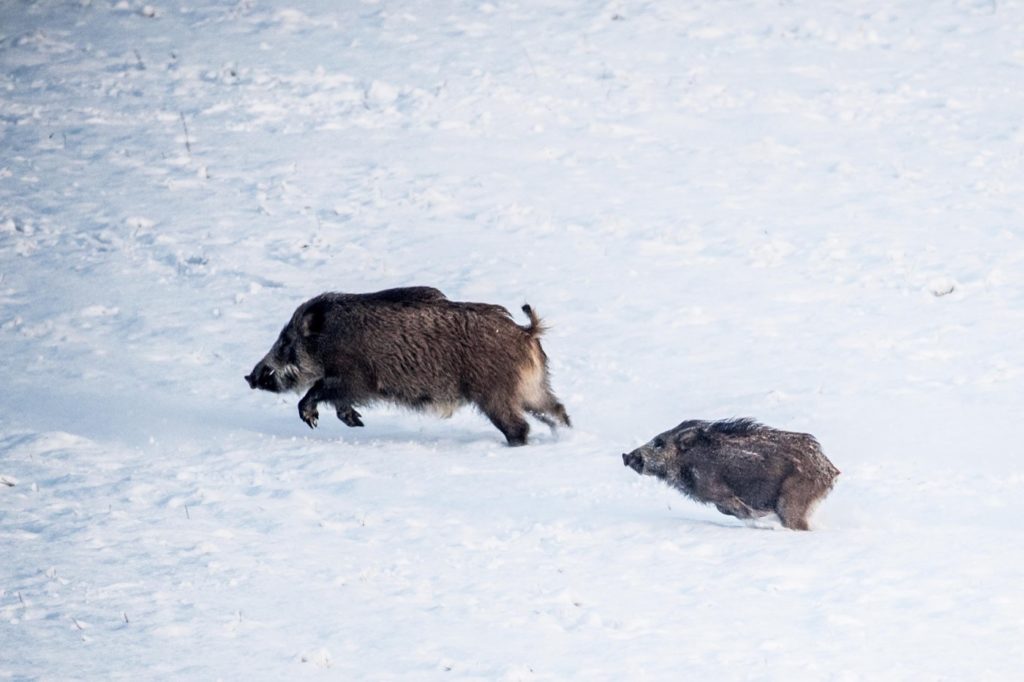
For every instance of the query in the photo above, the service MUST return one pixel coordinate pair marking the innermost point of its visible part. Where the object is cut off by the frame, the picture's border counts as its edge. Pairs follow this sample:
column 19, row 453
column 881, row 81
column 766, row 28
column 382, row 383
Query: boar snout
column 263, row 377
column 633, row 461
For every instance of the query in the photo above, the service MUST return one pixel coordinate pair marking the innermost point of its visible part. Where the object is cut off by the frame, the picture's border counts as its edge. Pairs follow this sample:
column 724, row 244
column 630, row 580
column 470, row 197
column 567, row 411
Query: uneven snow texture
column 805, row 212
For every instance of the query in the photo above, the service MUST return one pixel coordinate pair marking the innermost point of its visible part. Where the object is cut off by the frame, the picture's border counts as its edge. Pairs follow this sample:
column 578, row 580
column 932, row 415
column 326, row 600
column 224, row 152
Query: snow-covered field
column 805, row 212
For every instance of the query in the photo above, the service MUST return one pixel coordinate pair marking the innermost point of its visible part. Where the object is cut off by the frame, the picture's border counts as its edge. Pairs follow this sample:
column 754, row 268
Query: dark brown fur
column 745, row 469
column 413, row 347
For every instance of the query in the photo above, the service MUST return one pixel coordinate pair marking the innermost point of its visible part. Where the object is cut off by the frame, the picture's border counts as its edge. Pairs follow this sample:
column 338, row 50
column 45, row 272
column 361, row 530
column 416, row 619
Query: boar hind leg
column 558, row 409
column 542, row 417
column 509, row 421
column 329, row 390
column 796, row 499
column 550, row 411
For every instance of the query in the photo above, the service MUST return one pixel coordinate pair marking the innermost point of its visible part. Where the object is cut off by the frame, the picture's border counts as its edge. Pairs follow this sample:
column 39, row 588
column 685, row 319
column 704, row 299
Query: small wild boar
column 412, row 346
column 742, row 467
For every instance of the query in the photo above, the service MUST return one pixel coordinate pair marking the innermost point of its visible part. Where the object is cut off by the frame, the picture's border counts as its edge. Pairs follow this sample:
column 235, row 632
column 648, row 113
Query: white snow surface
column 805, row 212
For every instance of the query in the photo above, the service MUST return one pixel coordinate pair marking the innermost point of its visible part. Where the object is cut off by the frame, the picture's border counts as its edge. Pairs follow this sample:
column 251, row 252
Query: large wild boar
column 745, row 469
column 412, row 346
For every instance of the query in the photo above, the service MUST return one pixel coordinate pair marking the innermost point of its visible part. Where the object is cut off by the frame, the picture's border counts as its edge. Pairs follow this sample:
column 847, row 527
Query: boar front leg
column 349, row 416
column 332, row 390
column 734, row 506
column 716, row 491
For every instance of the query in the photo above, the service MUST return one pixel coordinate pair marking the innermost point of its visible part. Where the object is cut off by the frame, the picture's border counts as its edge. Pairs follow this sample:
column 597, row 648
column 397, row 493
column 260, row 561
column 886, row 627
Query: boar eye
column 659, row 442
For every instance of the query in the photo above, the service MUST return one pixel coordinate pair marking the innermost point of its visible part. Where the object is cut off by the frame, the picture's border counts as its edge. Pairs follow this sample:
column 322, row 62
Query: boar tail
column 536, row 327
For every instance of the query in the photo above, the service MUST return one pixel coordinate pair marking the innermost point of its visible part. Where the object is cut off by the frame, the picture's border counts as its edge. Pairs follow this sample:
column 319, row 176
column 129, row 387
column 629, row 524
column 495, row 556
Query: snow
column 803, row 212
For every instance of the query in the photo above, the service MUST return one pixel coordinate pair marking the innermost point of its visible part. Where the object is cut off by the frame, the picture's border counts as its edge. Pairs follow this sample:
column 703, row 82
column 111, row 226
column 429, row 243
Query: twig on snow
column 529, row 61
column 188, row 144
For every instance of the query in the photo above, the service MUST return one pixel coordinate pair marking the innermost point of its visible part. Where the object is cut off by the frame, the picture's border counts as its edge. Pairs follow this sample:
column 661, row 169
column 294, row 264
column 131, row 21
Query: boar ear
column 688, row 437
column 312, row 321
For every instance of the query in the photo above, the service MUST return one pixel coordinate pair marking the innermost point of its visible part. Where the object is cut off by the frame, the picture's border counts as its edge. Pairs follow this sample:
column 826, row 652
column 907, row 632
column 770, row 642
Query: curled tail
column 536, row 327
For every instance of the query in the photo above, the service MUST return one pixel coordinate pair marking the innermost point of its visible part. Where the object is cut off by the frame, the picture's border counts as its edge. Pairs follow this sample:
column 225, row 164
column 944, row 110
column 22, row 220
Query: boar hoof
column 350, row 417
column 309, row 414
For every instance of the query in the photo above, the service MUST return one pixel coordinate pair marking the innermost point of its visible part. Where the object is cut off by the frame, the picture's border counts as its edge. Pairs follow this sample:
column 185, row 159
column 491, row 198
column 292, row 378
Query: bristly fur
column 737, row 426
column 413, row 347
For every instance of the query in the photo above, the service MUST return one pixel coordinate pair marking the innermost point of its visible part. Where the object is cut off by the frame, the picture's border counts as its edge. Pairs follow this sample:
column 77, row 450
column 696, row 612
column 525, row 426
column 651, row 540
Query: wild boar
column 744, row 468
column 413, row 347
